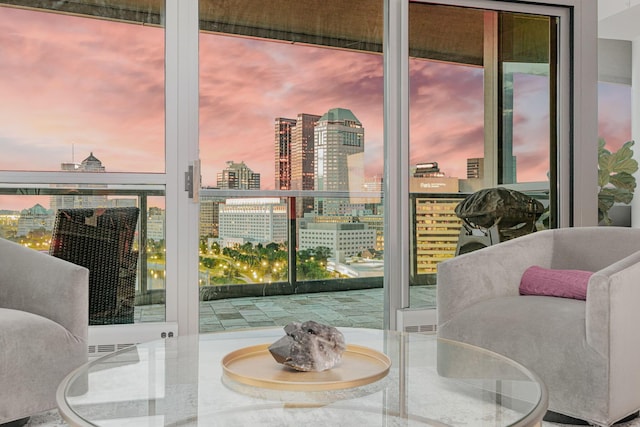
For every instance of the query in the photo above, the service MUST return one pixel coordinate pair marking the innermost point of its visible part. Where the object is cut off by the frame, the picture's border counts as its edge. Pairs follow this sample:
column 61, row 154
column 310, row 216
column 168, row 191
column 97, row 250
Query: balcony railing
column 258, row 243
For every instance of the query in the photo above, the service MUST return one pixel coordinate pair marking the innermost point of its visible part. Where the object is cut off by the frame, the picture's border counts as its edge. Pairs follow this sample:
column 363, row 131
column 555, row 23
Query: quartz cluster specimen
column 309, row 346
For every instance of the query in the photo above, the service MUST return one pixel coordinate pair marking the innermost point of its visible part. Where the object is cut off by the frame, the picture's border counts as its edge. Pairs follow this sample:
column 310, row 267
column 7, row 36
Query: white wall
column 619, row 20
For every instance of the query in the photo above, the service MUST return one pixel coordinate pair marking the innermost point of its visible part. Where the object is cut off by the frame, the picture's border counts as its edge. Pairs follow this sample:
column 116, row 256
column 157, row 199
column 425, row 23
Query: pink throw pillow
column 555, row 283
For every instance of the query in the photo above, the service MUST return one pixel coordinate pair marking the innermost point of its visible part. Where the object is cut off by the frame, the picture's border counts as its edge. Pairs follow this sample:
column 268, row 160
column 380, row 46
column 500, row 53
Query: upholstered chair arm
column 613, row 296
column 488, row 273
column 612, row 319
column 35, row 282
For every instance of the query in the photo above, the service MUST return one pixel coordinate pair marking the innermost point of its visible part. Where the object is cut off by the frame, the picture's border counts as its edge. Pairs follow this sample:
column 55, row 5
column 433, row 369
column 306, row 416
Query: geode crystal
column 309, row 346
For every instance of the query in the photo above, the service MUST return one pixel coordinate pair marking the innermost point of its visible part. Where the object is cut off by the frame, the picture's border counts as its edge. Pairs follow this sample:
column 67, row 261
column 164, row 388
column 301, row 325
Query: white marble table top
column 180, row 382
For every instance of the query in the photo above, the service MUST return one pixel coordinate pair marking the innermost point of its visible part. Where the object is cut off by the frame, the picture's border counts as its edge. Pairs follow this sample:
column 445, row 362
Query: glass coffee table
column 415, row 380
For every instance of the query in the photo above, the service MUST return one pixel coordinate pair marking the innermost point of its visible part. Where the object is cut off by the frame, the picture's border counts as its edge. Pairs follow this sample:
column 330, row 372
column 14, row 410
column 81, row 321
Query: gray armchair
column 586, row 352
column 43, row 328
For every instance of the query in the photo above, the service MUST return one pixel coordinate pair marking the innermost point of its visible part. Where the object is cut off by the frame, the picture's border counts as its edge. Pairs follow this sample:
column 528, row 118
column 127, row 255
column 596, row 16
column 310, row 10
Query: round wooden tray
column 255, row 366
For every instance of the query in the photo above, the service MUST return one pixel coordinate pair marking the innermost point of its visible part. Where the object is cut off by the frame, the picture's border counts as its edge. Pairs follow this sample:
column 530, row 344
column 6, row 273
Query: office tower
column 507, row 170
column 436, row 232
column 302, row 160
column 475, row 168
column 339, row 158
column 294, row 157
column 342, row 239
column 209, row 213
column 238, row 176
column 283, row 138
column 429, row 169
column 302, row 152
column 72, row 200
column 35, row 218
column 255, row 220
column 156, row 224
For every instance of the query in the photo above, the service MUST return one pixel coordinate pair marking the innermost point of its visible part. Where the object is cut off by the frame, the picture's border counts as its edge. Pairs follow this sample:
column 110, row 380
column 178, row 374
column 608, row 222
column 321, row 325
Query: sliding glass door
column 488, row 104
column 83, row 149
column 483, row 116
column 295, row 161
column 308, row 151
column 291, row 139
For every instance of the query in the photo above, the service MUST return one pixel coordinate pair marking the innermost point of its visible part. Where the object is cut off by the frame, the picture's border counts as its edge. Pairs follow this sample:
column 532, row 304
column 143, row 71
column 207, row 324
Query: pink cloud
column 614, row 114
column 99, row 85
column 238, row 111
column 96, row 84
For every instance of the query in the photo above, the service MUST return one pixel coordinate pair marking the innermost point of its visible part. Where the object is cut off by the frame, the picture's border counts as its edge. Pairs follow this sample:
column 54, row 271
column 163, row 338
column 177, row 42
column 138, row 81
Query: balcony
column 355, row 308
column 247, row 282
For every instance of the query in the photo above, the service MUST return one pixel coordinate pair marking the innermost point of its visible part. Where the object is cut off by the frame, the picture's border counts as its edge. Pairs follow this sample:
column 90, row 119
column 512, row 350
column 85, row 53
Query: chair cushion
column 555, row 283
column 548, row 336
column 35, row 355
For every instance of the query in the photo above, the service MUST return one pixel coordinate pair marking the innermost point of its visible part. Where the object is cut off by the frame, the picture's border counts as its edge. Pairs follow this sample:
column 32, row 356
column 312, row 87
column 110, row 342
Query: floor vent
column 102, row 349
column 422, row 328
column 422, row 320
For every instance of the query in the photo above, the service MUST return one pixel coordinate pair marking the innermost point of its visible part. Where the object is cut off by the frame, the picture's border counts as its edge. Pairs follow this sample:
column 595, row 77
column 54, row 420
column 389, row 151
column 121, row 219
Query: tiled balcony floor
column 357, row 308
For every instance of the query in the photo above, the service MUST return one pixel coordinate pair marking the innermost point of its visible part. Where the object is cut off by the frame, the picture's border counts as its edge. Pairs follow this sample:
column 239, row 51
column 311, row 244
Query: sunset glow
column 75, row 85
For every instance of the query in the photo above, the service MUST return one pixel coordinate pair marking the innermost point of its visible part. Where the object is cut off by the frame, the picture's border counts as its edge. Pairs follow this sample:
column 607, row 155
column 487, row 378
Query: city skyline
column 102, row 91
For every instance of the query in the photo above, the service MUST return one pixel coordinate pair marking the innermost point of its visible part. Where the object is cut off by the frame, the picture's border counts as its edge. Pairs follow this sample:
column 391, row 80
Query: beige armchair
column 586, row 352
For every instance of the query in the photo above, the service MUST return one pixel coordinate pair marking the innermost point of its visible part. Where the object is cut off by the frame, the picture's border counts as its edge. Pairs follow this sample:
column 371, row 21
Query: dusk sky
column 98, row 86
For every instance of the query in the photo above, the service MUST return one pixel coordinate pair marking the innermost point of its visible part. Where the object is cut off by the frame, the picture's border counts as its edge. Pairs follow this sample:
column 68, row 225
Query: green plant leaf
column 601, row 144
column 603, row 178
column 622, row 160
column 609, row 196
column 623, row 196
column 604, row 160
column 623, row 180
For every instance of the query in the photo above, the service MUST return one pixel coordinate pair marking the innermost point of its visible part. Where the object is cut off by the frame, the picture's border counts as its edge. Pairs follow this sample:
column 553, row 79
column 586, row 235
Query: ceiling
column 436, row 32
column 619, row 19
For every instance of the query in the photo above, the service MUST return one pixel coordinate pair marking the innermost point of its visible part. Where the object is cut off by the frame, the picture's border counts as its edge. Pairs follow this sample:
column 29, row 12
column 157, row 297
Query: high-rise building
column 345, row 239
column 475, row 168
column 429, row 169
column 209, row 214
column 283, row 138
column 294, row 157
column 339, row 157
column 156, row 224
column 302, row 152
column 71, row 200
column 303, row 160
column 507, row 170
column 259, row 220
column 34, row 218
column 437, row 228
column 338, row 136
column 238, row 176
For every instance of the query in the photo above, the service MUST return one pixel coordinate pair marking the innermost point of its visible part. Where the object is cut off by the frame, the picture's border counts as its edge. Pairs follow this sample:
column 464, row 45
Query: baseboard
column 554, row 417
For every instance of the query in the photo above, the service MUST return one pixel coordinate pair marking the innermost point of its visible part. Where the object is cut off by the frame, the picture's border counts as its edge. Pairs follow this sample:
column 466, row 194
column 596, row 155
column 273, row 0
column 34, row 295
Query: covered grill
column 493, row 215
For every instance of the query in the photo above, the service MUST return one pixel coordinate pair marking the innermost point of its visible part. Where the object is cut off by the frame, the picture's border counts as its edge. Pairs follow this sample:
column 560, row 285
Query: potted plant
column 616, row 182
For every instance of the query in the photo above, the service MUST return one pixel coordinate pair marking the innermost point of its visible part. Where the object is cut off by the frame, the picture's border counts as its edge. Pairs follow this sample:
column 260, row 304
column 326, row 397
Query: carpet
column 53, row 419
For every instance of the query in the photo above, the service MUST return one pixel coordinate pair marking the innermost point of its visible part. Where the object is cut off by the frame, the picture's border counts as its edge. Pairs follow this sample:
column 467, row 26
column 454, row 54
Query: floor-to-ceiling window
column 480, row 106
column 291, row 162
column 82, row 136
column 488, row 107
column 298, row 115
